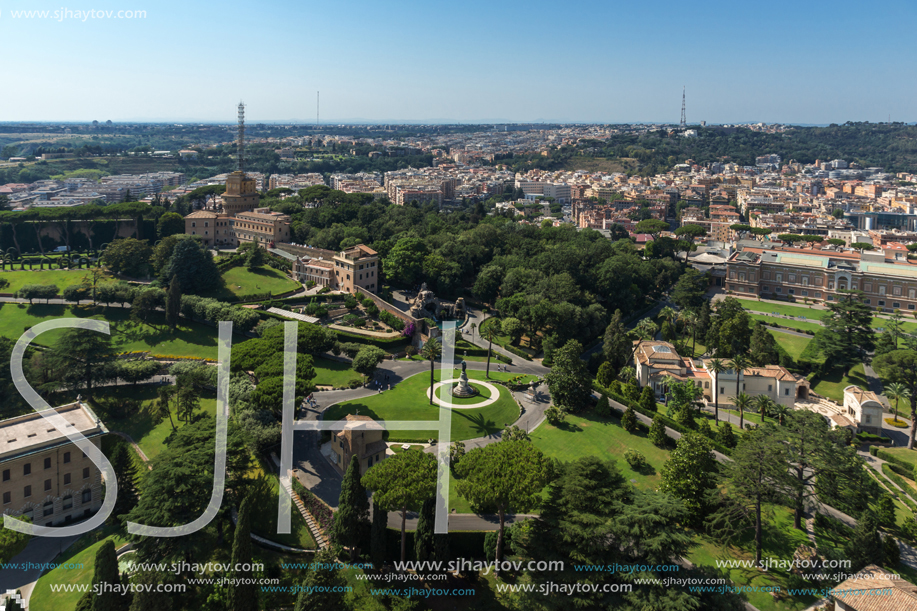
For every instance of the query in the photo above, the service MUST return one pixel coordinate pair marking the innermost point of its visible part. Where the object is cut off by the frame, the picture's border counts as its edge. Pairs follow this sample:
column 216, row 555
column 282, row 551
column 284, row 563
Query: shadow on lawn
column 480, row 424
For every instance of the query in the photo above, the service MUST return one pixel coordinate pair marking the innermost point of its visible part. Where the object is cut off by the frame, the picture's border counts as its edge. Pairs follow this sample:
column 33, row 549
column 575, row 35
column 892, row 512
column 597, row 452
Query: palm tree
column 473, row 327
column 897, row 391
column 743, row 402
column 671, row 316
column 431, row 350
column 739, row 364
column 765, row 406
column 716, row 366
column 689, row 320
column 489, row 333
column 780, row 412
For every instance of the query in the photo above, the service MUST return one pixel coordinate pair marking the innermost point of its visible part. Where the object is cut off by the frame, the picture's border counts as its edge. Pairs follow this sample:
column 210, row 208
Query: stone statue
column 463, row 388
column 463, row 367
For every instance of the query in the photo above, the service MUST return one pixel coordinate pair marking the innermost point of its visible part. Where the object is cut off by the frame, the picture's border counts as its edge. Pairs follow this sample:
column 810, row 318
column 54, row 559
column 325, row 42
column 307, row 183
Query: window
column 791, row 291
column 868, row 418
column 910, row 306
column 867, row 301
column 911, row 294
column 193, row 224
column 7, row 498
column 779, row 277
column 805, row 293
column 818, row 281
column 87, row 496
column 706, row 384
column 770, row 387
column 66, row 478
column 786, row 391
column 779, row 289
column 86, row 473
column 896, row 304
column 867, row 287
column 764, row 288
column 47, row 485
column 792, row 278
column 896, row 291
column 48, row 463
column 49, row 509
column 881, row 303
column 722, row 390
column 6, row 475
column 881, row 290
column 67, row 502
column 66, row 457
column 27, row 491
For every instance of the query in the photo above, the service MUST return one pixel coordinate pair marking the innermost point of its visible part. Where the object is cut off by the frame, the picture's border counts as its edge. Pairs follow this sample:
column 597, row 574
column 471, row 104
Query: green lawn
column 149, row 434
column 190, row 339
column 240, row 280
column 811, row 313
column 832, row 385
column 793, row 344
column 904, row 454
column 333, row 373
column 408, row 401
column 593, row 435
column 61, row 277
column 43, row 599
column 504, row 340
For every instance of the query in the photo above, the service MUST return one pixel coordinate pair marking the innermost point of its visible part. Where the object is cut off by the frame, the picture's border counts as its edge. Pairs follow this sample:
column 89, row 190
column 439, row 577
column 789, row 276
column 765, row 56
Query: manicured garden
column 408, row 400
column 790, row 323
column 61, row 277
column 239, row 281
column 334, row 373
column 189, row 340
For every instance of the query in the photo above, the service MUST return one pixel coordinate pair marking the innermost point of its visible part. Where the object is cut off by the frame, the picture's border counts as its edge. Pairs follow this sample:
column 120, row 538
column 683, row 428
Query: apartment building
column 886, row 277
column 317, row 270
column 261, row 226
column 45, row 477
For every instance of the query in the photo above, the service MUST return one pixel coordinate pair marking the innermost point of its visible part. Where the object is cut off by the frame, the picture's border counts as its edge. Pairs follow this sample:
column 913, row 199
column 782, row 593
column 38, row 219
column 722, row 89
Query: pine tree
column 318, row 589
column 126, row 475
column 423, row 536
column 885, row 512
column 891, row 551
column 243, row 595
column 629, row 420
column 351, row 521
column 106, row 577
column 763, row 347
column 173, row 303
column 865, row 545
column 657, row 432
column 377, row 536
column 603, row 408
column 149, row 599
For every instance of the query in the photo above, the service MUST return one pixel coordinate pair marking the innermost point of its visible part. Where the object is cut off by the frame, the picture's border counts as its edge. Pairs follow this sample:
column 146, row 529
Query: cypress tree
column 106, row 577
column 648, row 399
column 125, row 474
column 351, row 521
column 423, row 536
column 377, row 536
column 243, row 596
column 173, row 303
column 657, row 432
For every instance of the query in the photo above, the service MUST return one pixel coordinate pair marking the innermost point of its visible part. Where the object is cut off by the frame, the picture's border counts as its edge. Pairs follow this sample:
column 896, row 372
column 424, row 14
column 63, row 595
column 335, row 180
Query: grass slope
column 61, row 277
column 832, row 384
column 240, row 280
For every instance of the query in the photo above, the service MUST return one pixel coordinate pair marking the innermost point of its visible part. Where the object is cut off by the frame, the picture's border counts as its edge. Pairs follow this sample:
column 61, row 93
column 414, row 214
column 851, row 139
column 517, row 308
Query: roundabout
column 455, row 404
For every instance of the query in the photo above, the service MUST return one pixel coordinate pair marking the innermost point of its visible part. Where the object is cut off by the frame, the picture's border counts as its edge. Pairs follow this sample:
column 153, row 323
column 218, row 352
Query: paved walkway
column 39, row 551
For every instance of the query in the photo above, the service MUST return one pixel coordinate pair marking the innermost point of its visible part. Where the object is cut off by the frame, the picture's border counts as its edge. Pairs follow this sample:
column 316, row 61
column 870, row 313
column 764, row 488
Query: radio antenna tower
column 684, row 123
column 240, row 146
column 317, row 95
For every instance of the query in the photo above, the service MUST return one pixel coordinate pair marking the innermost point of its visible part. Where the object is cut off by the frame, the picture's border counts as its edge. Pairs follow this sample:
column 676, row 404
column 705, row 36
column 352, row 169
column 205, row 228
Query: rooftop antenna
column 240, row 146
column 684, row 123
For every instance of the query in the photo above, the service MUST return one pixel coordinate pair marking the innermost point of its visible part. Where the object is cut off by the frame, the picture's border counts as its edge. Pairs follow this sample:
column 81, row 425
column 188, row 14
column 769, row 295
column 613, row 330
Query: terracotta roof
column 374, row 448
column 875, row 589
column 862, row 395
column 202, row 214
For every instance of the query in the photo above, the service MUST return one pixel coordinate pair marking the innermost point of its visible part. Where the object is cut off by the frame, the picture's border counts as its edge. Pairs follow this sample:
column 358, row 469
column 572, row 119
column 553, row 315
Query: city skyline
column 407, row 62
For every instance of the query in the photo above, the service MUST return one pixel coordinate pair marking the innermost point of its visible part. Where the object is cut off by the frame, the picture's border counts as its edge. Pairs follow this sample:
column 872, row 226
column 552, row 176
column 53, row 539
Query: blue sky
column 809, row 61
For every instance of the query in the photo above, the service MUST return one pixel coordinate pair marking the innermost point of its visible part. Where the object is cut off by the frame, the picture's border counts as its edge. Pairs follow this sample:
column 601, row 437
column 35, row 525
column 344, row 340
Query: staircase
column 317, row 532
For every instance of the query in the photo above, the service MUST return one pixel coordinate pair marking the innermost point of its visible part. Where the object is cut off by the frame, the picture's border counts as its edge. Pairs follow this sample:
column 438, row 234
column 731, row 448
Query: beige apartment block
column 45, row 477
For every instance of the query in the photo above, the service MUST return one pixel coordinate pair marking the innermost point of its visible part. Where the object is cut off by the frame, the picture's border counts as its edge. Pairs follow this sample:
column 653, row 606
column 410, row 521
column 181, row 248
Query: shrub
column 648, row 399
column 629, row 420
column 727, row 436
column 554, row 415
column 603, row 408
column 635, row 459
column 657, row 432
column 350, row 302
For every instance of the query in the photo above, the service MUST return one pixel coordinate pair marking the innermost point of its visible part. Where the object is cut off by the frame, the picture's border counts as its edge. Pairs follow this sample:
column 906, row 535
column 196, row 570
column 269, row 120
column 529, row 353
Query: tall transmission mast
column 684, row 123
column 240, row 146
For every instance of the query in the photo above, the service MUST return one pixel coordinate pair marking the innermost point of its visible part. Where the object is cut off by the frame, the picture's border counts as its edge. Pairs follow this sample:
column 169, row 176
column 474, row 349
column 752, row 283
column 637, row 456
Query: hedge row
column 891, row 458
column 905, row 487
column 391, row 320
column 363, row 339
column 675, row 426
column 211, row 310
